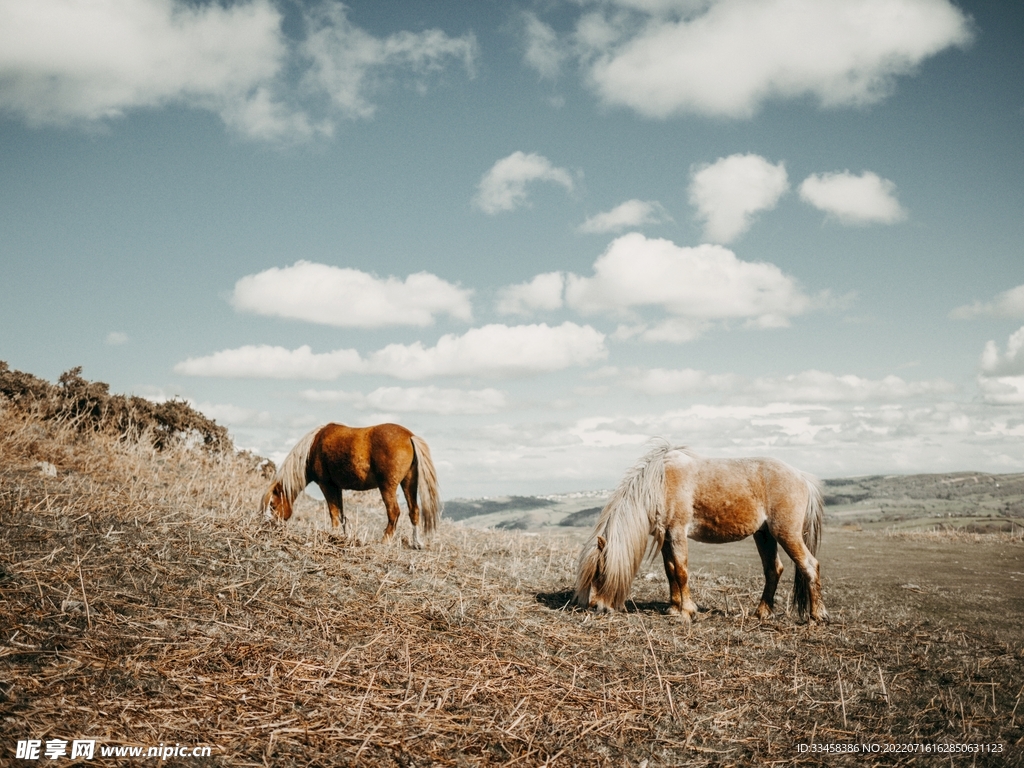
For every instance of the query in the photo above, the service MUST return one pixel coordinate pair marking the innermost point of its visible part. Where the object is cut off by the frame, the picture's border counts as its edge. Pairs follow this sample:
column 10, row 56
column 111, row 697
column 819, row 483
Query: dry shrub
column 89, row 406
column 145, row 600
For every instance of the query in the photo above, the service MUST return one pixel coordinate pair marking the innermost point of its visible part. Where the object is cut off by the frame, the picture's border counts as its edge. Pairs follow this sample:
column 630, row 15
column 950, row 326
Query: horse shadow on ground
column 562, row 601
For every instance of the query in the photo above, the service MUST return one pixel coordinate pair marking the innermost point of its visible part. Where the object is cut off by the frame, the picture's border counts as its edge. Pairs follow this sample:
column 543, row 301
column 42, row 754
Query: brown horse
column 336, row 457
column 672, row 494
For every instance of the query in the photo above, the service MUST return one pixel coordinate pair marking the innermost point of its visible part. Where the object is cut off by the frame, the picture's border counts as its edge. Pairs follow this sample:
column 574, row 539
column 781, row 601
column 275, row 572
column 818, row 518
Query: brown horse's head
column 276, row 504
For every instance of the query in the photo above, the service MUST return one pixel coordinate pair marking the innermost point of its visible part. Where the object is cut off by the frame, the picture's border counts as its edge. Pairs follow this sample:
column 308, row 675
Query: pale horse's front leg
column 674, row 553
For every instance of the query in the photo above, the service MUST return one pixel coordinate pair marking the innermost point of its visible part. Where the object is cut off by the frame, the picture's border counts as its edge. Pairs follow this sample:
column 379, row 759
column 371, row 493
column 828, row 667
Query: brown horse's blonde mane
column 292, row 472
column 635, row 513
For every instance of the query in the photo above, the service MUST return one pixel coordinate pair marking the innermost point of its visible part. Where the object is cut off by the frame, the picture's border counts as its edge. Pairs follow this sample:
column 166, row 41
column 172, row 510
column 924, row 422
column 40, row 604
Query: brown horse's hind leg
column 768, row 549
column 674, row 553
column 388, row 494
column 409, row 489
column 335, row 506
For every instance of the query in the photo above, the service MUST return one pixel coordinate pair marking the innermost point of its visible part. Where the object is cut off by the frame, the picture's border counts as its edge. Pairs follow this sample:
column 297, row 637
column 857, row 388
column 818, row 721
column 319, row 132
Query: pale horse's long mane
column 634, row 514
column 292, row 472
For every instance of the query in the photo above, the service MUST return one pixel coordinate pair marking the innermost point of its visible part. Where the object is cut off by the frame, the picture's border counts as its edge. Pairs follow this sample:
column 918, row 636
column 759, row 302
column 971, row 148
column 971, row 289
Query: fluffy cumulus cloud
column 269, row 362
column 695, row 285
column 542, row 293
column 345, row 297
column 996, row 363
column 1006, row 304
column 1002, row 390
column 728, row 57
column 728, row 192
column 495, row 350
column 492, row 350
column 864, row 199
column 503, row 187
column 437, row 400
column 64, row 62
column 632, row 213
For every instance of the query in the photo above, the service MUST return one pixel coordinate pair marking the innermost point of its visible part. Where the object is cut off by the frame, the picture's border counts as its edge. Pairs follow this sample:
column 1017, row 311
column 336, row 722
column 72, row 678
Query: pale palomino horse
column 337, row 458
column 672, row 494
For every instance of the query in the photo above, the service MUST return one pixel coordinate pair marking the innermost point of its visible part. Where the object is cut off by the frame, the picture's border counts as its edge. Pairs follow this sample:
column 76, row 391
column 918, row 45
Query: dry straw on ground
column 143, row 600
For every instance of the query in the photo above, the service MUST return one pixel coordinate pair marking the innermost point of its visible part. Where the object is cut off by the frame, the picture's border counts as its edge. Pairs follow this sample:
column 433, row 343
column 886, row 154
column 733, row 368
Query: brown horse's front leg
column 768, row 549
column 674, row 552
column 335, row 506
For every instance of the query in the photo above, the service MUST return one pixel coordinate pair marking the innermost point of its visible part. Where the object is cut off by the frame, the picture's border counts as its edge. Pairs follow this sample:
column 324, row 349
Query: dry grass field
column 144, row 601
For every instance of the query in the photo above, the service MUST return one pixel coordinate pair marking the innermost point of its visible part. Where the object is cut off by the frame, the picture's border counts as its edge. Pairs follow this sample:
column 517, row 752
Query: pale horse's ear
column 601, row 543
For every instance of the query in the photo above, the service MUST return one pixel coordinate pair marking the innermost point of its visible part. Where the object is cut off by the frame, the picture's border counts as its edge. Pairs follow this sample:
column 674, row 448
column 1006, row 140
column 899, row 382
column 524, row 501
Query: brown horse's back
column 360, row 458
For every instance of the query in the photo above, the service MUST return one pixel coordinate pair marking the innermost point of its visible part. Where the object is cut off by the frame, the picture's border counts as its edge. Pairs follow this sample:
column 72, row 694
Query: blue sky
column 538, row 234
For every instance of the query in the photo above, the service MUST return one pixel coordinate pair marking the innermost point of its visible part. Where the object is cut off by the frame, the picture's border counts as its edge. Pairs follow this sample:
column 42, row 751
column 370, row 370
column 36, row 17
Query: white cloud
column 346, row 60
column 267, row 362
column 116, row 338
column 1006, row 304
column 728, row 192
column 737, row 54
column 696, row 284
column 864, row 199
column 1002, row 390
column 822, row 387
column 542, row 293
column 683, row 381
column 492, row 350
column 226, row 413
column 995, row 363
column 64, row 62
column 544, row 53
column 345, row 297
column 436, row 400
column 495, row 350
column 632, row 213
column 805, row 387
column 503, row 187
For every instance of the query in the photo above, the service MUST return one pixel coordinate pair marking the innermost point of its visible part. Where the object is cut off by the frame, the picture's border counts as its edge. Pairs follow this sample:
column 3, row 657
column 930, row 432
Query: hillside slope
column 143, row 600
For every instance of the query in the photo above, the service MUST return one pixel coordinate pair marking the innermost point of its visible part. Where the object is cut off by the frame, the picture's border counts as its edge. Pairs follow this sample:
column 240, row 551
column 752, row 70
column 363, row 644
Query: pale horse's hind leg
column 674, row 552
column 807, row 596
column 409, row 489
column 335, row 506
column 768, row 549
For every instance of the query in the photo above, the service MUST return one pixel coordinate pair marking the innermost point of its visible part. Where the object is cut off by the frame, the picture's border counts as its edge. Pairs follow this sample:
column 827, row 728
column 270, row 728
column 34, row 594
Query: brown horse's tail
column 428, row 493
column 813, row 522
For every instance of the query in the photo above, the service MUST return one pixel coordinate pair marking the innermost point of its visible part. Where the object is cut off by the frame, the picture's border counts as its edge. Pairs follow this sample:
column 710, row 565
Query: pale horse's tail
column 813, row 522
